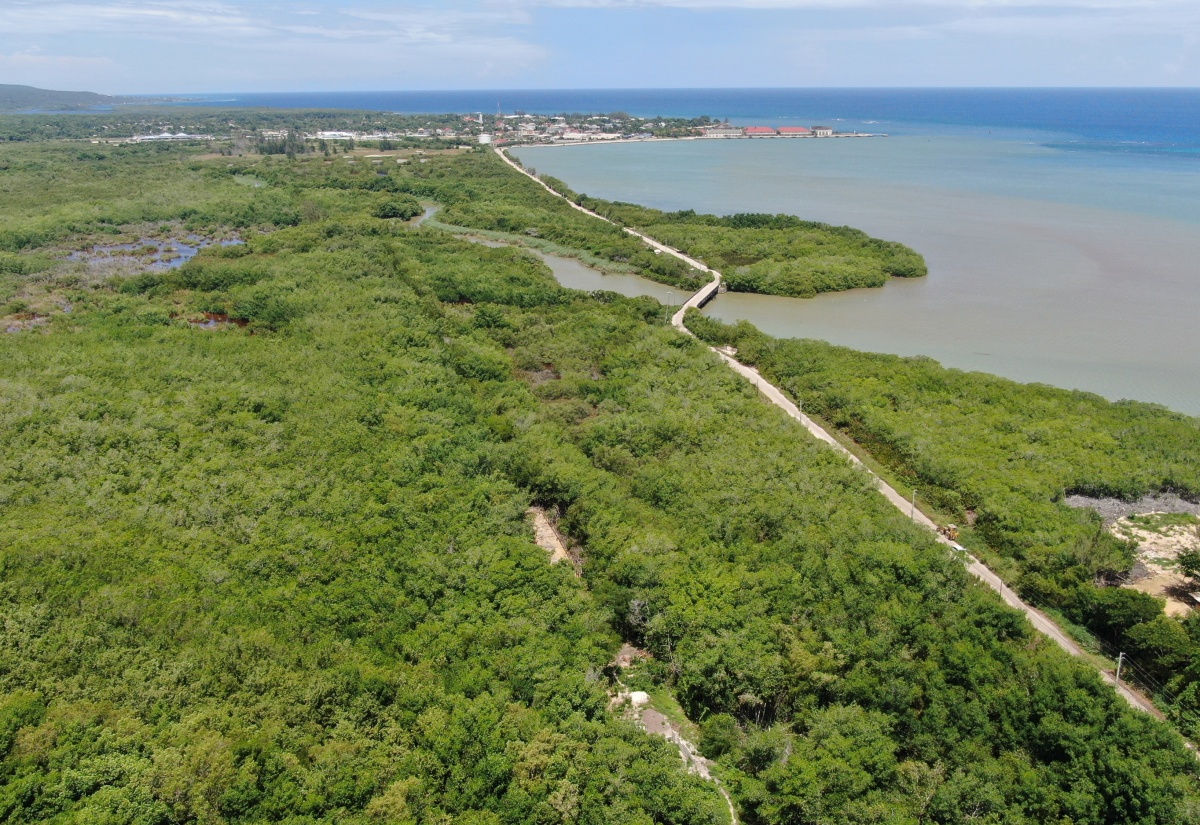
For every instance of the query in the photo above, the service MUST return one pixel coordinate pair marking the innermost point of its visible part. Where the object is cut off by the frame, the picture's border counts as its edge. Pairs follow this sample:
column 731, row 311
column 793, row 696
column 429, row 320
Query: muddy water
column 430, row 211
column 154, row 254
column 575, row 274
column 1074, row 269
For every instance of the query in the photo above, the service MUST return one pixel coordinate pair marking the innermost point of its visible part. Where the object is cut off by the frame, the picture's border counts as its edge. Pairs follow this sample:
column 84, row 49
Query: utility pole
column 1120, row 661
column 912, row 514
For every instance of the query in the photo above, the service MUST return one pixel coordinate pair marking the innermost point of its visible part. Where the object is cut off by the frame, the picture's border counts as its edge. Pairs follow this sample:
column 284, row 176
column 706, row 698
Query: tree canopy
column 1002, row 456
column 263, row 555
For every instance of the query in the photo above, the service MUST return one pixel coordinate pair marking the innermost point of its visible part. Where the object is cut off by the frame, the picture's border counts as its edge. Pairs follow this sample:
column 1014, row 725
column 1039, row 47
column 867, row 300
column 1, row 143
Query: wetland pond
column 150, row 252
column 575, row 274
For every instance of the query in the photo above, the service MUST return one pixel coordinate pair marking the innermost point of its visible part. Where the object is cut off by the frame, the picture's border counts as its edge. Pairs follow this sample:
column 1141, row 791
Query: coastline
column 1025, row 280
column 688, row 138
column 775, row 396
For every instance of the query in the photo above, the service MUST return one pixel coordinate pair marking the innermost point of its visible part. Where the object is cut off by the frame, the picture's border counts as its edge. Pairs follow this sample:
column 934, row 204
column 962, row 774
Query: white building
column 580, row 136
column 169, row 136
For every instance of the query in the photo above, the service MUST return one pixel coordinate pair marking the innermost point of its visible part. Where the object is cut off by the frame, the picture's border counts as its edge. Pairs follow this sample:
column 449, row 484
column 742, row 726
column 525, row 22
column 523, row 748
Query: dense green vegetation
column 771, row 254
column 18, row 98
column 249, row 576
column 278, row 570
column 148, row 119
column 1003, row 455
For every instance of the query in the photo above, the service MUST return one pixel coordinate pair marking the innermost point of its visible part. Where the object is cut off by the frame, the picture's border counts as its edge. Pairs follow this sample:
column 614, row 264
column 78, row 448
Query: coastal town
column 520, row 128
column 562, row 129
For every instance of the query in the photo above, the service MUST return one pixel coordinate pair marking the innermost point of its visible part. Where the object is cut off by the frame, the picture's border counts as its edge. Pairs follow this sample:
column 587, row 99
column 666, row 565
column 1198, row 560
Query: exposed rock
column 1112, row 509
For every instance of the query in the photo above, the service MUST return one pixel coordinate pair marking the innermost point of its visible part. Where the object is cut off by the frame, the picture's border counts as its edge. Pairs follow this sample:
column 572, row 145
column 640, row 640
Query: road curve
column 1039, row 620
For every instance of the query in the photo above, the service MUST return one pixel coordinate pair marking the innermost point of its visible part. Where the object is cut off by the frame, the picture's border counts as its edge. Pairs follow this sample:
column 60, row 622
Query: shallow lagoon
column 575, row 274
column 1075, row 269
column 151, row 253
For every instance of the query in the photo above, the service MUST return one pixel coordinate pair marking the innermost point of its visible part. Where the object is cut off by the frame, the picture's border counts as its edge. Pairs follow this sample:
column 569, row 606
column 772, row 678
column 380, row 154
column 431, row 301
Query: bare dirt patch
column 1160, row 538
column 638, row 707
column 549, row 539
column 538, row 377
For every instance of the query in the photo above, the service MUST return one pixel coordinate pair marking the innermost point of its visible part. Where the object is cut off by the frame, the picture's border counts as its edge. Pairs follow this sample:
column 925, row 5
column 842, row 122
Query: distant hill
column 19, row 98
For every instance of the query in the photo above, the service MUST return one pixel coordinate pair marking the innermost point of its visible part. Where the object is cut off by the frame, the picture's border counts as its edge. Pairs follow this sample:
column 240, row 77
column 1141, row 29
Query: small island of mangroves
column 265, row 552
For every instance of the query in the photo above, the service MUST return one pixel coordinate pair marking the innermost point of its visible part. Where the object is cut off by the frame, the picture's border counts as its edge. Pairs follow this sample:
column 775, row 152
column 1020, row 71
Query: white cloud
column 230, row 44
column 880, row 5
column 180, row 45
column 192, row 19
column 125, row 17
column 34, row 59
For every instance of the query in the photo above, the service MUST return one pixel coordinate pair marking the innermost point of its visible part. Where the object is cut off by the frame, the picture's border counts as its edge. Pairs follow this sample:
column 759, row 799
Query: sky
column 190, row 46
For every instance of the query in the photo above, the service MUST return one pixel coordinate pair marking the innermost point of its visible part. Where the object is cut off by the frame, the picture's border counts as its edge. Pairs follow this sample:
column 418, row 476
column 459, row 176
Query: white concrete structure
column 169, row 136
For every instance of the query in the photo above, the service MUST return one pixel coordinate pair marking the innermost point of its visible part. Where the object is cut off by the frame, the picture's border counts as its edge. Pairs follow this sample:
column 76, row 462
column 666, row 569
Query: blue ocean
column 1149, row 121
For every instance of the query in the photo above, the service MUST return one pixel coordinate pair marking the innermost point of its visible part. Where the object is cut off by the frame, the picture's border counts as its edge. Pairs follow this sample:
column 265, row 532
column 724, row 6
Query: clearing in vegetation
column 1161, row 538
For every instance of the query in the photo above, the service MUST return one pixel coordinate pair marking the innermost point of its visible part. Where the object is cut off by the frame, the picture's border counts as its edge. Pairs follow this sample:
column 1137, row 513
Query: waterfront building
column 724, row 132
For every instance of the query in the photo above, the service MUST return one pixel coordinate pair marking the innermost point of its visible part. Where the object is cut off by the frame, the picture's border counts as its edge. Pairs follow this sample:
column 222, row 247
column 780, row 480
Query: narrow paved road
column 776, row 396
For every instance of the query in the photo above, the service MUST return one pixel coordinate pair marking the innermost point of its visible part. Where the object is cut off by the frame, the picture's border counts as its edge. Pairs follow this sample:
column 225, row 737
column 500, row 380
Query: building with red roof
column 794, row 130
column 760, row 131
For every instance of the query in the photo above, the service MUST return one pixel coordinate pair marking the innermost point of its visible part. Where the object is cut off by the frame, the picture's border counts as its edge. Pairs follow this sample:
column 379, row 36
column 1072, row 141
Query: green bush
column 404, row 208
column 773, row 254
column 719, row 735
column 209, row 273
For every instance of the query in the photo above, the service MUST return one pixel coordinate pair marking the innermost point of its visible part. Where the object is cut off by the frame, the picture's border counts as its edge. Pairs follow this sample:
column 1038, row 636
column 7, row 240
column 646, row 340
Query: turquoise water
column 1157, row 121
column 1074, row 268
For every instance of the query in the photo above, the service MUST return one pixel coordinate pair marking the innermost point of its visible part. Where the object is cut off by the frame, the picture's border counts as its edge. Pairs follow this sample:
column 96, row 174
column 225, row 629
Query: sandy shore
column 510, row 146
